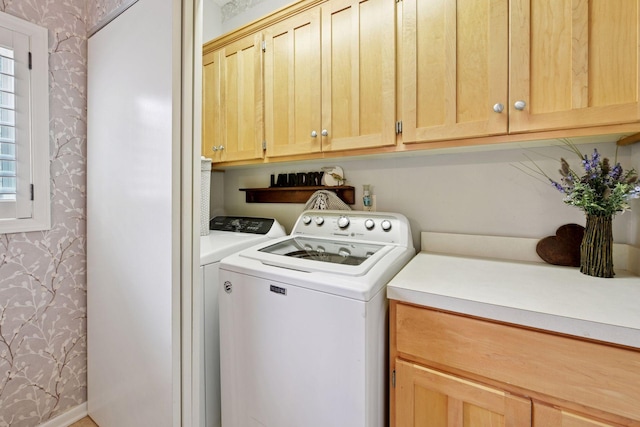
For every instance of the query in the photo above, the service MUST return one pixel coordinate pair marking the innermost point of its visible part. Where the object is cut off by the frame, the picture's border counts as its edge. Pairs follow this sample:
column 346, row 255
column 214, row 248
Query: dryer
column 303, row 322
column 228, row 234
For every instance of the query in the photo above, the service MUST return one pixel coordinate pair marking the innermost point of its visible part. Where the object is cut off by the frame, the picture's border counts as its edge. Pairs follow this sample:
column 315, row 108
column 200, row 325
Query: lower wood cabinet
column 425, row 397
column 452, row 370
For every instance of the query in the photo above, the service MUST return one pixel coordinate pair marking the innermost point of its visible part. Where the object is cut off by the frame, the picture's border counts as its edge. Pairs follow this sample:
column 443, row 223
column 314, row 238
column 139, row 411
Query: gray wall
column 462, row 192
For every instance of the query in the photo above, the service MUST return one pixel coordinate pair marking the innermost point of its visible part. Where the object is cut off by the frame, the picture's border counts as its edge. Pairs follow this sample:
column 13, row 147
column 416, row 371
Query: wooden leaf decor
column 564, row 247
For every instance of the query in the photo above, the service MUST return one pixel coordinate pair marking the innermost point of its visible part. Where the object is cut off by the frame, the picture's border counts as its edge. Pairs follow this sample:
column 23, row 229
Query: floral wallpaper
column 235, row 7
column 43, row 274
column 101, row 11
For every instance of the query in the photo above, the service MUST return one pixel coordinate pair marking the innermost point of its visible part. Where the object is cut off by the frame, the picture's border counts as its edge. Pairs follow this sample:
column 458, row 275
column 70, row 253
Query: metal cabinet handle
column 498, row 108
column 314, row 134
column 215, row 148
column 221, row 147
column 325, row 132
column 519, row 105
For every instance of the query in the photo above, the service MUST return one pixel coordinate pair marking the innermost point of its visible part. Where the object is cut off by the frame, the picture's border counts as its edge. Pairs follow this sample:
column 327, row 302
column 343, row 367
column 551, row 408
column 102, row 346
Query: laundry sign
column 297, row 179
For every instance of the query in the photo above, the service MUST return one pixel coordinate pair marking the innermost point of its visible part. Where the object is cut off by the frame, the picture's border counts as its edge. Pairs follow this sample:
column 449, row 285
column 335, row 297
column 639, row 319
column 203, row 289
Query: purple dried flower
column 595, row 158
column 586, row 163
column 557, row 186
column 616, row 172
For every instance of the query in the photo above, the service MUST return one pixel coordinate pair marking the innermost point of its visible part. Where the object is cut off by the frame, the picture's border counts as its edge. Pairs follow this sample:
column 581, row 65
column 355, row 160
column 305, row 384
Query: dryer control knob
column 386, row 225
column 306, row 219
column 343, row 222
column 319, row 220
column 369, row 224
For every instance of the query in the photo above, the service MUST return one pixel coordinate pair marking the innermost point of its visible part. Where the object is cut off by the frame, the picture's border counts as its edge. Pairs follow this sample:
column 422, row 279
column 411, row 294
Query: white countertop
column 543, row 296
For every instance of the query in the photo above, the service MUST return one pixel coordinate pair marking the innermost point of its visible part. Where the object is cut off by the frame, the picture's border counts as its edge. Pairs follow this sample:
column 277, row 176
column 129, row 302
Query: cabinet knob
column 325, row 132
column 498, row 108
column 314, row 134
column 519, row 105
column 215, row 148
column 221, row 147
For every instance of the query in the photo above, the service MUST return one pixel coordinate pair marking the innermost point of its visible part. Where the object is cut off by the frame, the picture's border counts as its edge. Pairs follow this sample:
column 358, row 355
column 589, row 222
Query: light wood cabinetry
column 571, row 64
column 330, row 78
column 502, row 372
column 293, row 96
column 233, row 101
column 336, row 79
column 426, row 397
column 454, row 69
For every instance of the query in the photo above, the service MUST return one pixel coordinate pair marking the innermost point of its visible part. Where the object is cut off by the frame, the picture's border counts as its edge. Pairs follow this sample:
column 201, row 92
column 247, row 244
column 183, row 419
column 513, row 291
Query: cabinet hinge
column 398, row 127
column 264, row 46
column 264, row 145
column 32, row 192
column 393, row 378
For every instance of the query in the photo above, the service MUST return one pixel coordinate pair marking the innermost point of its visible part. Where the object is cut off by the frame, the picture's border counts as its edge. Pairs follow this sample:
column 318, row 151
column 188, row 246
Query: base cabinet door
column 429, row 398
column 545, row 415
column 573, row 63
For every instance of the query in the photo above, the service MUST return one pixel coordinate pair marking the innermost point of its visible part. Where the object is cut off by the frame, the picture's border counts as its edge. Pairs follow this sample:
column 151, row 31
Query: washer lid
column 334, row 252
column 349, row 258
column 230, row 234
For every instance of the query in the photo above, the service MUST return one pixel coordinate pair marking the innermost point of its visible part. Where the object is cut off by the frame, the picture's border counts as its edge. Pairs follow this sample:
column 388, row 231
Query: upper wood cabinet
column 454, row 69
column 233, row 126
column 573, row 63
column 358, row 74
column 292, row 74
column 569, row 64
column 330, row 78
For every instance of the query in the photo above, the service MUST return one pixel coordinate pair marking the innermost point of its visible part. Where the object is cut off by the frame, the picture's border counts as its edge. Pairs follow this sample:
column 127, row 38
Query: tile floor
column 85, row 422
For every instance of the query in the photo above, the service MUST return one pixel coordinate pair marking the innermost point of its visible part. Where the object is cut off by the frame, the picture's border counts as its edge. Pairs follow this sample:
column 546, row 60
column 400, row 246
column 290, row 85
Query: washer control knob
column 306, row 219
column 319, row 220
column 386, row 225
column 343, row 222
column 369, row 224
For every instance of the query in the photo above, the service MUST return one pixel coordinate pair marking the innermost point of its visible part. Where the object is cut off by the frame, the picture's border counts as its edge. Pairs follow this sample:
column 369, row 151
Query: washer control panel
column 241, row 224
column 361, row 225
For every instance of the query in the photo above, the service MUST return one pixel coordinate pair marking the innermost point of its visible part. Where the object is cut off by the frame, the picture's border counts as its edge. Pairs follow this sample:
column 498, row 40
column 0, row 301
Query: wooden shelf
column 631, row 139
column 295, row 194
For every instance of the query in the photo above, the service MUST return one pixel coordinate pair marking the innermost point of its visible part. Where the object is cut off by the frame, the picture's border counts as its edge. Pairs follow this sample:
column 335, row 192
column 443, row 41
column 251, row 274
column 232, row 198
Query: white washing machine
column 228, row 234
column 303, row 322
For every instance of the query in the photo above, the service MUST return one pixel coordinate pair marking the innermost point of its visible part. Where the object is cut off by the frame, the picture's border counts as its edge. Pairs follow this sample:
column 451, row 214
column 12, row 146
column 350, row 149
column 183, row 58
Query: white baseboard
column 71, row 416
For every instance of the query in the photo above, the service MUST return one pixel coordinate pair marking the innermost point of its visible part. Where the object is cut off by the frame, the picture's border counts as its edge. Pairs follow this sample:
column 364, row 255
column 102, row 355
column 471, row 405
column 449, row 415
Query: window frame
column 38, row 197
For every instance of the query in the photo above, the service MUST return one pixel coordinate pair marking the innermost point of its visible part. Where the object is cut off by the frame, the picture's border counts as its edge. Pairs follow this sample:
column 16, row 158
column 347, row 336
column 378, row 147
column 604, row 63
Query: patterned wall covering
column 101, row 11
column 235, row 7
column 42, row 274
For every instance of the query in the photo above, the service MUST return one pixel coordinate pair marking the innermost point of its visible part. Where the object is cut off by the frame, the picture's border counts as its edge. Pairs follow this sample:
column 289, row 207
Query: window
column 24, row 126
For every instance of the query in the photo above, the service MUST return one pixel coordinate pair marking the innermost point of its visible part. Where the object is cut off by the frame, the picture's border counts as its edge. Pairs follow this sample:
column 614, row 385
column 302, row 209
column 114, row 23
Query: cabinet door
column 433, row 399
column 358, row 74
column 454, row 69
column 241, row 100
column 551, row 416
column 210, row 105
column 292, row 85
column 573, row 63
